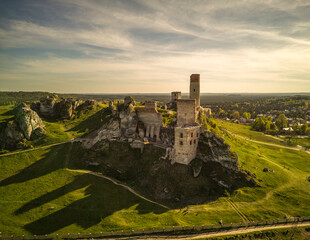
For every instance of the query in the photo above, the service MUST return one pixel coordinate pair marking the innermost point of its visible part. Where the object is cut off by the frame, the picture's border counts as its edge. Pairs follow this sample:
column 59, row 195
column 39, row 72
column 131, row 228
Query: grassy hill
column 62, row 130
column 40, row 195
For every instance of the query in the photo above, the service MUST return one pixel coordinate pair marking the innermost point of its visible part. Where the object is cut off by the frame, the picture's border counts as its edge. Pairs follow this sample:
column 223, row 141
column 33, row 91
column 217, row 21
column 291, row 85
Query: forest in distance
column 8, row 98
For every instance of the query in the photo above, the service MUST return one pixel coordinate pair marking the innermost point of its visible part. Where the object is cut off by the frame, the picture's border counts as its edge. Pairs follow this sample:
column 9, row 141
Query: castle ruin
column 144, row 125
column 187, row 131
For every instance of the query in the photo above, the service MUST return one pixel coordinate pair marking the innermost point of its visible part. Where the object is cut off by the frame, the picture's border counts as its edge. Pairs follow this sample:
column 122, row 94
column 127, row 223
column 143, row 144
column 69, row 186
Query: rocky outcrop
column 26, row 125
column 128, row 121
column 47, row 106
column 205, row 112
column 129, row 100
column 64, row 108
column 150, row 172
column 29, row 122
column 13, row 132
column 214, row 148
column 109, row 131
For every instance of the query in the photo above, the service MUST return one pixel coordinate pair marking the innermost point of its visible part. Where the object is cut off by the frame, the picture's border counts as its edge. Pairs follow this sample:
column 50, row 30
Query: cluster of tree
column 234, row 114
column 265, row 124
column 295, row 105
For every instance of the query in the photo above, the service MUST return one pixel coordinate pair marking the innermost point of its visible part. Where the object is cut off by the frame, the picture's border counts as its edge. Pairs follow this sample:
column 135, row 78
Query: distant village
column 274, row 116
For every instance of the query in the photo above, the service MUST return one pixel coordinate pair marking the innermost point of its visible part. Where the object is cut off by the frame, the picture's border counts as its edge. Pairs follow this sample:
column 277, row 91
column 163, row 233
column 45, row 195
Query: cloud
column 111, row 45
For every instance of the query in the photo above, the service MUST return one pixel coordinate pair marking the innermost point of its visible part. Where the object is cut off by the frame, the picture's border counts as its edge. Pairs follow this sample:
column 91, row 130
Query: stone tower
column 175, row 96
column 194, row 89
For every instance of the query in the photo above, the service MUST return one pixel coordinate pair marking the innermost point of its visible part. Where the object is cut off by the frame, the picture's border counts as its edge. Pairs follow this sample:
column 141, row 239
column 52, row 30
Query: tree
column 259, row 125
column 246, row 115
column 222, row 113
column 235, row 115
column 304, row 128
column 281, row 121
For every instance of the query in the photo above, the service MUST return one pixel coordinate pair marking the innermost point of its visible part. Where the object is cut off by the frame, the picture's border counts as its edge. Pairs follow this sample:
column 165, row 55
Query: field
column 37, row 189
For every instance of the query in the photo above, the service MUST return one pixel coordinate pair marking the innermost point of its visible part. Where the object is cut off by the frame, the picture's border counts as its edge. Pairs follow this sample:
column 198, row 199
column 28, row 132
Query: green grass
column 38, row 195
column 246, row 131
column 305, row 142
column 6, row 113
column 62, row 131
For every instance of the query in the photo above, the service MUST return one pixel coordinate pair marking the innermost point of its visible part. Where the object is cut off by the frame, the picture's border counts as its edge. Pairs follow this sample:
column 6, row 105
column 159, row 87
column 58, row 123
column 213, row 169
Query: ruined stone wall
column 175, row 96
column 185, row 145
column 186, row 112
column 205, row 111
column 151, row 104
column 194, row 89
column 152, row 122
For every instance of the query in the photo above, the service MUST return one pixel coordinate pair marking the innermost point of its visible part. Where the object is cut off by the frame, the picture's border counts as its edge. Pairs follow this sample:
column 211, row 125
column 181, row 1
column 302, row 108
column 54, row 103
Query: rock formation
column 50, row 107
column 47, row 106
column 26, row 125
column 214, row 148
column 128, row 120
column 29, row 122
column 63, row 109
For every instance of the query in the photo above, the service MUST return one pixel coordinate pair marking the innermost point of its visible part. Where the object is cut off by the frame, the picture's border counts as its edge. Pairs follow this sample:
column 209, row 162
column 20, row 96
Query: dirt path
column 221, row 233
column 119, row 184
column 234, row 206
column 297, row 148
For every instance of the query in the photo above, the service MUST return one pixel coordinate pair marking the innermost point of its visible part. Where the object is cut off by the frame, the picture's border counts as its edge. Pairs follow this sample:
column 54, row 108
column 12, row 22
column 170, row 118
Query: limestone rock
column 214, row 148
column 196, row 165
column 63, row 109
column 128, row 122
column 129, row 100
column 47, row 106
column 205, row 112
column 109, row 131
column 13, row 131
column 29, row 122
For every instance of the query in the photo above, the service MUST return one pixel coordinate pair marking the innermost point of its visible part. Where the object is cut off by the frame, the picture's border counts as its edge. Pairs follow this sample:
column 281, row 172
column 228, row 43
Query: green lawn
column 38, row 195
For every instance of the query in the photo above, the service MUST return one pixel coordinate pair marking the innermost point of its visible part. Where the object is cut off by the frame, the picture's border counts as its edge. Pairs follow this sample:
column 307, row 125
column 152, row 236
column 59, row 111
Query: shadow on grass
column 88, row 125
column 102, row 200
column 11, row 112
column 47, row 164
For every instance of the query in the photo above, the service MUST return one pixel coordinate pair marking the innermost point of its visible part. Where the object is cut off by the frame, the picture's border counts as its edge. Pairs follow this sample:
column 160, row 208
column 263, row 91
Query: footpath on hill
column 297, row 148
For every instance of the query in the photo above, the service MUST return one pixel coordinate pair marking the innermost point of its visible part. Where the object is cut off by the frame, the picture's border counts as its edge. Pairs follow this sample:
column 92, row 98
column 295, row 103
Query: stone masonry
column 175, row 96
column 186, row 133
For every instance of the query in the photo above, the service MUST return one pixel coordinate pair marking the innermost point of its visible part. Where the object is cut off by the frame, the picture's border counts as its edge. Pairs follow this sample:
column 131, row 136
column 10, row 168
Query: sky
column 143, row 46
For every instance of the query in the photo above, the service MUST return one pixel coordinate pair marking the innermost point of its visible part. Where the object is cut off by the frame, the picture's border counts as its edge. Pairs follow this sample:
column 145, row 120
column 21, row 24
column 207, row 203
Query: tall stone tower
column 194, row 89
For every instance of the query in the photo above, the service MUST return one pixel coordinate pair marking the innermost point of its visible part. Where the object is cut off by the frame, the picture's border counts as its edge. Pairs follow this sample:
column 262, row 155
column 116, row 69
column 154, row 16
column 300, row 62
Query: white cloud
column 162, row 42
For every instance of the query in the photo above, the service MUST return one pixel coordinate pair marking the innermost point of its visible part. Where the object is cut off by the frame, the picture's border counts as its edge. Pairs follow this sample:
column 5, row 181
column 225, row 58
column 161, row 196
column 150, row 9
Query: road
column 220, row 233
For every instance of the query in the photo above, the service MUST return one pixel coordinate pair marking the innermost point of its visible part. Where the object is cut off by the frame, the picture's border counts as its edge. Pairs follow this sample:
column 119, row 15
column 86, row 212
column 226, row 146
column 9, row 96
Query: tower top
column 195, row 78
